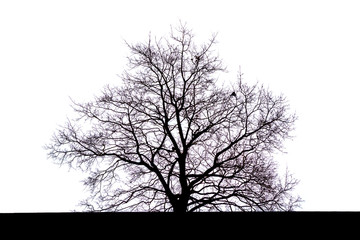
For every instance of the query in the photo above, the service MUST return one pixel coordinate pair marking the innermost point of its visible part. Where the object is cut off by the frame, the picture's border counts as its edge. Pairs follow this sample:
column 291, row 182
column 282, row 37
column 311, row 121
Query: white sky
column 53, row 50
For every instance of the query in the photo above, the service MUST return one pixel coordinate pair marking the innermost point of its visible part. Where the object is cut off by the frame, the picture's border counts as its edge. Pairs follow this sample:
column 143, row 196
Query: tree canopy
column 171, row 138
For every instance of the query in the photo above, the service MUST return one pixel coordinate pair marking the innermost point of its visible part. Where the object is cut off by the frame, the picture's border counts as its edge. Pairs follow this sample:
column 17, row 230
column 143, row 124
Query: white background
column 53, row 50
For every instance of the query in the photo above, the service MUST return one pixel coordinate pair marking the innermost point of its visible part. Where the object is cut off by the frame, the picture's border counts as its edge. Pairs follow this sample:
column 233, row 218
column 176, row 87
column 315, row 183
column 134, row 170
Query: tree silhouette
column 170, row 139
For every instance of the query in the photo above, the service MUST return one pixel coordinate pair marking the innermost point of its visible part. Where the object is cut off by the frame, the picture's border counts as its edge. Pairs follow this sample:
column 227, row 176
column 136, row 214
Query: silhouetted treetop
column 169, row 138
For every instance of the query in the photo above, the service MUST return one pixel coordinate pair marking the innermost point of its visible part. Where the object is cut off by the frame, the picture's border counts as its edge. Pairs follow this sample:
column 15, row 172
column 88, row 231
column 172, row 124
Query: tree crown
column 170, row 138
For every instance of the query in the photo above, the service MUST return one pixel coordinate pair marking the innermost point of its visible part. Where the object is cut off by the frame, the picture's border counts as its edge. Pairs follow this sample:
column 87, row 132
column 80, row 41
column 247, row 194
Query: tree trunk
column 180, row 205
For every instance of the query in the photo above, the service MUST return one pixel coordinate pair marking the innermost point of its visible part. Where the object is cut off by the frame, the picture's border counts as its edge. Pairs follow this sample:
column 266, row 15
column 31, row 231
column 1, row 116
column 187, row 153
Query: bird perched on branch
column 196, row 59
column 233, row 94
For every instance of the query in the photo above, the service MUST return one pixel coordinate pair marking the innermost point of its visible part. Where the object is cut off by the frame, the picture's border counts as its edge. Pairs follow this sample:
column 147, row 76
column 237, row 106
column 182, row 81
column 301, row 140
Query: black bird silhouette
column 233, row 94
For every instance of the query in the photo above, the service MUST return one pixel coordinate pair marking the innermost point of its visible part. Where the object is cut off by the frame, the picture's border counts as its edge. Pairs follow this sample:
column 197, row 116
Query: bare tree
column 171, row 139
